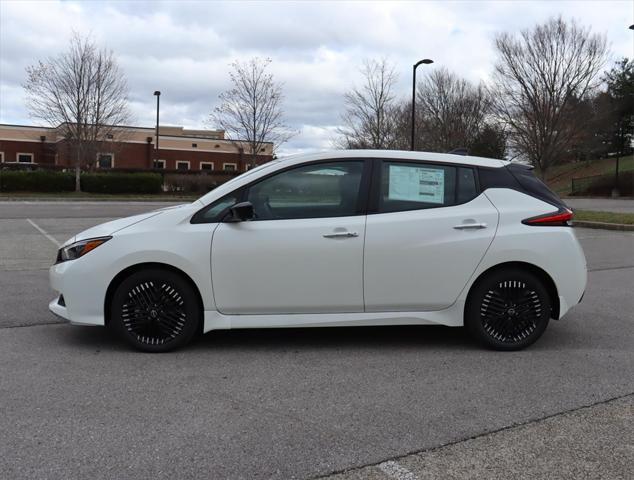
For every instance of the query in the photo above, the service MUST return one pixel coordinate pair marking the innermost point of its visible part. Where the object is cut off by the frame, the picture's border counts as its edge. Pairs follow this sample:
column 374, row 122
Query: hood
column 109, row 228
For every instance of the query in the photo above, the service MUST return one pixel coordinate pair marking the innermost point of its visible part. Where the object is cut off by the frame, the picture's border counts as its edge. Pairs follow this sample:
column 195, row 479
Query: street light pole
column 425, row 61
column 157, row 93
column 615, row 190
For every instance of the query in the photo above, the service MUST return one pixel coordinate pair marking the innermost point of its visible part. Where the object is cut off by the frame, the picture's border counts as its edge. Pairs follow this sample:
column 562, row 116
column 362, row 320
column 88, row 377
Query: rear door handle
column 341, row 235
column 470, row 226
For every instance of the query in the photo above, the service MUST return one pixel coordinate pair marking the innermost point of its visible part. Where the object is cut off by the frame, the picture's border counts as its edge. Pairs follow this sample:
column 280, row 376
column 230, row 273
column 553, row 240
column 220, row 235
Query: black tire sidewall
column 472, row 310
column 191, row 305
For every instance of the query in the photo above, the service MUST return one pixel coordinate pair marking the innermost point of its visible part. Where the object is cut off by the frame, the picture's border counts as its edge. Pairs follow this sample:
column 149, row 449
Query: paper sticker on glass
column 417, row 184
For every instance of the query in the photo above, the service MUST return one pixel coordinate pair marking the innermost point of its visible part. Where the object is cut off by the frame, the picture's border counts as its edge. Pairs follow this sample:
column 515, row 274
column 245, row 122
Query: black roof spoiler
column 527, row 166
column 459, row 151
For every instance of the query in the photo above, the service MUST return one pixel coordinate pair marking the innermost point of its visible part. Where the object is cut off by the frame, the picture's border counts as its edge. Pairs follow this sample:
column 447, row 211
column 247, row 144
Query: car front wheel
column 155, row 310
column 508, row 309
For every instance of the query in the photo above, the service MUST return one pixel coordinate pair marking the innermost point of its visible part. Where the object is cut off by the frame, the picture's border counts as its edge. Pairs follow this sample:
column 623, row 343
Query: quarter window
column 312, row 191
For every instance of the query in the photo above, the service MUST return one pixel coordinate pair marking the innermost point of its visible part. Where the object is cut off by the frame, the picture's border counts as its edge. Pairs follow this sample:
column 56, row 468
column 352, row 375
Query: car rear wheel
column 508, row 309
column 155, row 310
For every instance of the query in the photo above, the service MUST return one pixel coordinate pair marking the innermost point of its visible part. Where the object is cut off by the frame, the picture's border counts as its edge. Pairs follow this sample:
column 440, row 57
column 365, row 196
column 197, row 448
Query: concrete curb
column 606, row 226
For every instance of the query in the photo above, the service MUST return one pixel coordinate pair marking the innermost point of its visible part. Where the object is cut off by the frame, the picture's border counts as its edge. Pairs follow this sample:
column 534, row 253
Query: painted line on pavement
column 43, row 232
column 395, row 470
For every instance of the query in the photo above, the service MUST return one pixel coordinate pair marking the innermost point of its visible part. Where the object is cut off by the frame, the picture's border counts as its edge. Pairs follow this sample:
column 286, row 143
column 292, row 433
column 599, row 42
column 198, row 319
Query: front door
column 303, row 253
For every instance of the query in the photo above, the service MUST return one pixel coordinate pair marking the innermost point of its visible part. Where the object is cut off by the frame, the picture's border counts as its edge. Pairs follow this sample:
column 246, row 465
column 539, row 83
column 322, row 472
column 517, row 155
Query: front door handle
column 341, row 235
column 470, row 226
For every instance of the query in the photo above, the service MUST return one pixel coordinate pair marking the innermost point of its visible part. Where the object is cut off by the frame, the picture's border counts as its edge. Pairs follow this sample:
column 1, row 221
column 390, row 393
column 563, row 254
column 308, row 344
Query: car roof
column 398, row 155
column 290, row 160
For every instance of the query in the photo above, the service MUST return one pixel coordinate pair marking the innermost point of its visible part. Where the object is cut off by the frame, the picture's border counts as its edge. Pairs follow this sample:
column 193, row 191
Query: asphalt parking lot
column 400, row 402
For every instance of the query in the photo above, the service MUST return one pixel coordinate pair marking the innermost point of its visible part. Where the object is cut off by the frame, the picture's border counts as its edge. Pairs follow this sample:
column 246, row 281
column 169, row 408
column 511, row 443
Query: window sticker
column 417, row 184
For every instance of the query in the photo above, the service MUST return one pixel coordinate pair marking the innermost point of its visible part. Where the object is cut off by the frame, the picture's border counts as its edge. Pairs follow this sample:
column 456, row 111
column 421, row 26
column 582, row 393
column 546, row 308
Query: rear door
column 426, row 232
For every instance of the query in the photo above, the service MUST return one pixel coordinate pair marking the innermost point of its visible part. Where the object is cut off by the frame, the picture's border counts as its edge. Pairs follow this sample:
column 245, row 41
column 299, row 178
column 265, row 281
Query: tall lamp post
column 425, row 61
column 615, row 190
column 157, row 94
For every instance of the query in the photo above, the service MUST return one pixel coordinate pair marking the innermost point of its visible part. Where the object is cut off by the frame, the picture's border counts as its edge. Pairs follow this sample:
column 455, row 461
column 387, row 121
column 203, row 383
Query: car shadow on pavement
column 431, row 337
column 90, row 338
column 332, row 338
column 337, row 338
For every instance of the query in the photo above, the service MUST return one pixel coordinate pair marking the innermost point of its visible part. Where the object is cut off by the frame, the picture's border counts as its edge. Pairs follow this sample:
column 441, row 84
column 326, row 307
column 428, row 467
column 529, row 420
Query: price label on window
column 416, row 184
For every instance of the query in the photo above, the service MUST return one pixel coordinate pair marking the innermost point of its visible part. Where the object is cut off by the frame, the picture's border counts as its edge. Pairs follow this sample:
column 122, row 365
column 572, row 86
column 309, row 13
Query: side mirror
column 240, row 212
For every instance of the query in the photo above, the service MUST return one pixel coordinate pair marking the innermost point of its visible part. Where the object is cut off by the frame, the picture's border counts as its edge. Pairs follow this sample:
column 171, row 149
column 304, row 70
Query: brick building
column 134, row 148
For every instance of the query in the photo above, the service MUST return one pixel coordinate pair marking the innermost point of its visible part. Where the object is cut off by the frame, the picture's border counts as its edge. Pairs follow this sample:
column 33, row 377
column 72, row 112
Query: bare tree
column 452, row 111
column 83, row 93
column 251, row 112
column 538, row 76
column 371, row 113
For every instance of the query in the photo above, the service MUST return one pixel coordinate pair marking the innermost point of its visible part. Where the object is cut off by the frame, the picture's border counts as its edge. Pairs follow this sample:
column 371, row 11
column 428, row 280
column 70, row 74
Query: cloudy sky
column 183, row 48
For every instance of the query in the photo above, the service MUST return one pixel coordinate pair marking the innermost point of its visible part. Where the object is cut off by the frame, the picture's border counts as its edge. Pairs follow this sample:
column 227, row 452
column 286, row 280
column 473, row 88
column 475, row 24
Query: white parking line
column 395, row 470
column 43, row 232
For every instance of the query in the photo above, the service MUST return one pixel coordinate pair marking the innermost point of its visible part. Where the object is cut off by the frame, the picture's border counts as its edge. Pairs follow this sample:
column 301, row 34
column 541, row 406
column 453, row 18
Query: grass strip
column 605, row 217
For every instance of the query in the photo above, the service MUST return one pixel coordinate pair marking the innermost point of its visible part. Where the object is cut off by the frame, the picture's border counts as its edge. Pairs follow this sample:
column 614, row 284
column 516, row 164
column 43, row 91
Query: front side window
column 217, row 210
column 312, row 191
column 414, row 186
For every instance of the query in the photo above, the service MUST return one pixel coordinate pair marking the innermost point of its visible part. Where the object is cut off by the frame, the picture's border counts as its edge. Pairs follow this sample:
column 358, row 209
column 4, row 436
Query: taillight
column 560, row 218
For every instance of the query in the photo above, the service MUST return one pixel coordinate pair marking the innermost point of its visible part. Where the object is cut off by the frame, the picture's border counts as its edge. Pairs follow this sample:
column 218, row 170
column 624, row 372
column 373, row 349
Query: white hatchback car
column 334, row 239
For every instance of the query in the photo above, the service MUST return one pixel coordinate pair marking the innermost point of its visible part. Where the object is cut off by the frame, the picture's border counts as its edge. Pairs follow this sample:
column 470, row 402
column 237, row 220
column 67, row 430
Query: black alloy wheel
column 508, row 309
column 155, row 310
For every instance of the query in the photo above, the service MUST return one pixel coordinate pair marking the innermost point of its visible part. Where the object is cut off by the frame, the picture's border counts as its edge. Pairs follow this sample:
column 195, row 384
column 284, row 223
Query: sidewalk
column 591, row 442
column 617, row 205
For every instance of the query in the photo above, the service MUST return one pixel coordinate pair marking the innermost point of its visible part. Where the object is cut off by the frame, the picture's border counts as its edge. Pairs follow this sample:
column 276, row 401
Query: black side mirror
column 240, row 212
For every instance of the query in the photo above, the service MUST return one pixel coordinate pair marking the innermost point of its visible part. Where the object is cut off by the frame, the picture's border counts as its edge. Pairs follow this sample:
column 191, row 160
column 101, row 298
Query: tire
column 508, row 309
column 155, row 310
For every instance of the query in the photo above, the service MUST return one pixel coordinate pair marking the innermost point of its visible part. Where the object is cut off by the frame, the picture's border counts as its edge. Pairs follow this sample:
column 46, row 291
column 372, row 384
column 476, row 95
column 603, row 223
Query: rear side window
column 466, row 187
column 416, row 186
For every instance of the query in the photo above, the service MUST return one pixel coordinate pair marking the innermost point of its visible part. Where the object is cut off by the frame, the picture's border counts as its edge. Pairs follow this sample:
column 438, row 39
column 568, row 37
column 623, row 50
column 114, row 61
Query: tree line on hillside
column 545, row 103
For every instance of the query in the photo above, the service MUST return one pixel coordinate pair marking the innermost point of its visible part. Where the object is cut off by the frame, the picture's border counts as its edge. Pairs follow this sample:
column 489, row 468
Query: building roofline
column 144, row 129
column 26, row 126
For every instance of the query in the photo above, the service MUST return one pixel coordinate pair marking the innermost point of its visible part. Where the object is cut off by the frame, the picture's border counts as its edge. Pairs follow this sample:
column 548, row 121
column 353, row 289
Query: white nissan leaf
column 334, row 239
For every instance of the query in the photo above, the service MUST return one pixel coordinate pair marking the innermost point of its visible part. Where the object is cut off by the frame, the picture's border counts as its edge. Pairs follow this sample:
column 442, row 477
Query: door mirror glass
column 240, row 212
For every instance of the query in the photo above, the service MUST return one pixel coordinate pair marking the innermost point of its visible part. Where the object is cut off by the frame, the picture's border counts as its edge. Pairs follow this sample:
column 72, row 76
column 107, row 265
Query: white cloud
column 183, row 48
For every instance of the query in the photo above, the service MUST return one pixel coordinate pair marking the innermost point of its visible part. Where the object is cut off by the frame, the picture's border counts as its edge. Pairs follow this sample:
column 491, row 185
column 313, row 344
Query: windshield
column 205, row 198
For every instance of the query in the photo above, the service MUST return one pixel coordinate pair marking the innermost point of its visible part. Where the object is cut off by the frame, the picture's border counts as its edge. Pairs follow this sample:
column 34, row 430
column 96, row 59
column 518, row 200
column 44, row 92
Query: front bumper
column 81, row 290
column 58, row 309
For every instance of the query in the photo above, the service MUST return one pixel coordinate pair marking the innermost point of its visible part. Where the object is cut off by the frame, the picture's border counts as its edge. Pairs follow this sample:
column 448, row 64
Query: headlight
column 79, row 249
